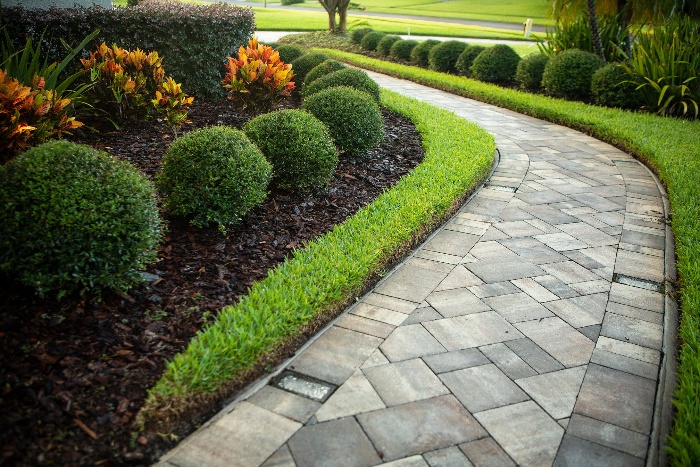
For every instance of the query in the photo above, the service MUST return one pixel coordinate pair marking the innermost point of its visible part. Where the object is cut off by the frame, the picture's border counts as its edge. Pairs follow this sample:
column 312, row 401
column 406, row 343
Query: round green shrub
column 357, row 34
column 325, row 68
column 466, row 59
column 289, row 52
column 569, row 74
column 214, row 175
column 371, row 40
column 384, row 45
column 496, row 64
column 530, row 69
column 75, row 218
column 350, row 77
column 610, row 88
column 401, row 50
column 352, row 117
column 298, row 146
column 291, row 2
column 443, row 56
column 307, row 62
column 421, row 52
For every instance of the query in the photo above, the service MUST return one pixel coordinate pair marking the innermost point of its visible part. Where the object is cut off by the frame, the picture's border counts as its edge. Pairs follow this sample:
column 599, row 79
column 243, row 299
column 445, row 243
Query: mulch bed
column 74, row 373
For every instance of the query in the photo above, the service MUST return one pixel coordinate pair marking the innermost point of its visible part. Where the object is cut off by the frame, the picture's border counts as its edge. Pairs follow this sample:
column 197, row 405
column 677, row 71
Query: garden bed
column 74, row 373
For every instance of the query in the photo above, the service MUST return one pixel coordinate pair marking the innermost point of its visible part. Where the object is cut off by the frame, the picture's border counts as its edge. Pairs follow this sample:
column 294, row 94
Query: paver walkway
column 528, row 330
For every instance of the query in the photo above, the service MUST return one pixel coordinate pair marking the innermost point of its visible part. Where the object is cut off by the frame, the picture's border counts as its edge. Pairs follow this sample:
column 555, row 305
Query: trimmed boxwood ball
column 496, row 64
column 466, row 59
column 352, row 117
column 384, row 45
column 357, row 34
column 530, row 69
column 76, row 218
column 298, row 146
column 351, row 77
column 371, row 40
column 610, row 88
column 443, row 57
column 289, row 52
column 307, row 62
column 214, row 175
column 421, row 52
column 401, row 50
column 569, row 74
column 325, row 68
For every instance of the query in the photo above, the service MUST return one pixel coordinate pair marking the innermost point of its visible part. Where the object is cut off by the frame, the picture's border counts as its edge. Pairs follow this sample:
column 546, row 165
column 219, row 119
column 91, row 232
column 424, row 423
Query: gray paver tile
column 355, row 396
column 636, row 297
column 437, row 257
column 556, row 392
column 507, row 361
column 517, row 307
column 561, row 341
column 493, row 234
column 635, row 313
column 534, row 289
column 402, row 382
column 561, row 241
column 517, row 229
column 524, row 431
column 494, row 289
column 411, row 282
column 633, row 330
column 377, row 358
column 549, row 214
column 447, row 457
column 285, row 403
column 486, row 452
column 503, row 270
column 626, row 364
column 482, row 387
column 588, row 234
column 281, row 458
column 592, row 332
column 336, row 355
column 556, row 286
column 364, row 325
column 534, row 356
column 627, row 349
column 581, row 311
column 543, row 226
column 451, row 242
column 455, row 360
column 474, row 330
column 617, row 398
column 413, row 461
column 457, row 278
column 609, row 435
column 532, row 250
column 407, row 342
column 643, row 239
column 604, row 255
column 591, row 287
column 598, row 203
column 335, row 443
column 577, row 452
column 455, row 302
column 491, row 250
column 584, row 260
column 422, row 314
column 542, row 197
column 377, row 313
column 638, row 265
column 420, row 426
column 570, row 272
column 391, row 303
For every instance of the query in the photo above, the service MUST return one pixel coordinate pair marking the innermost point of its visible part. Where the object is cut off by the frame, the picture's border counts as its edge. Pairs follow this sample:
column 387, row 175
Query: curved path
column 528, row 330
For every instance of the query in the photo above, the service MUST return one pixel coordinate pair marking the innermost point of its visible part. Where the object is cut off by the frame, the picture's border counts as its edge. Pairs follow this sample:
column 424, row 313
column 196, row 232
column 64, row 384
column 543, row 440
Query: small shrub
column 528, row 75
column 213, row 175
column 357, row 34
column 289, row 52
column 443, row 57
column 258, row 80
column 421, row 52
column 291, row 2
column 325, row 68
column 298, row 146
column 466, row 59
column 401, row 50
column 496, row 64
column 371, row 40
column 384, row 45
column 350, row 77
column 171, row 103
column 569, row 74
column 610, row 88
column 75, row 218
column 352, row 117
column 306, row 63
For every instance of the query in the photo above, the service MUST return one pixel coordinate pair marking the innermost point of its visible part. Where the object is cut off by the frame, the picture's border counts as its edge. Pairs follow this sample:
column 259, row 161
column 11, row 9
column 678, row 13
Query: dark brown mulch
column 74, row 373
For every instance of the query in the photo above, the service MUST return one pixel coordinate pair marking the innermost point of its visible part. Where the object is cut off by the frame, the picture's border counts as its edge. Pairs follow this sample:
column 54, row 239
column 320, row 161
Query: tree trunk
column 595, row 30
column 343, row 23
column 330, row 6
column 331, row 20
column 624, row 12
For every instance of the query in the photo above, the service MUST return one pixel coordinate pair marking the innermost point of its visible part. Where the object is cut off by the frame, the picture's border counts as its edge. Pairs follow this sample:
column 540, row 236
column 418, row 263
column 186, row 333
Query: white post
column 409, row 30
column 528, row 27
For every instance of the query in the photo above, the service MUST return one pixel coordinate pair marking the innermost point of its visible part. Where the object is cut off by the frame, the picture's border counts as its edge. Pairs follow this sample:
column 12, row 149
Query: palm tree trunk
column 595, row 30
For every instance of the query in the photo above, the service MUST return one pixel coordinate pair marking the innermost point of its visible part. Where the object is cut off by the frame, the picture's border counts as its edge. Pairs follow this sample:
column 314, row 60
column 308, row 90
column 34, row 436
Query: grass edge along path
column 329, row 272
column 671, row 147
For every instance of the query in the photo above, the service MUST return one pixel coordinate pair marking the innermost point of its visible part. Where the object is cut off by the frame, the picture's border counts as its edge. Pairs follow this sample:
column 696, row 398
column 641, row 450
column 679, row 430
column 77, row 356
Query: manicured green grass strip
column 332, row 270
column 672, row 148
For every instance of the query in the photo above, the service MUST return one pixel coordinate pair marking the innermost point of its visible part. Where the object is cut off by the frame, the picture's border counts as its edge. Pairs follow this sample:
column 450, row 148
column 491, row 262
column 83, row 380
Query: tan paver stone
column 377, row 313
column 422, row 314
column 636, row 297
column 377, row 358
column 336, row 443
column 517, row 307
column 525, row 432
column 408, row 342
column 543, row 226
column 507, row 361
column 457, row 278
column 518, row 228
column 456, row 302
column 455, row 360
column 627, row 349
column 556, row 392
column 438, row 257
column 532, row 250
column 411, row 282
column 493, row 234
column 570, row 272
column 474, row 330
column 641, row 249
column 336, row 355
column 561, row 241
column 534, row 356
column 617, row 398
column 246, row 436
column 534, row 289
column 598, row 203
column 390, row 303
column 503, row 270
column 364, row 325
column 420, row 426
column 638, row 265
column 285, row 403
column 612, row 436
column 482, row 387
column 635, row 313
column 633, row 330
column 493, row 290
column 580, row 311
column 469, row 226
column 591, row 287
column 447, row 457
column 556, row 286
column 542, row 197
column 491, row 250
column 549, row 214
column 281, row 458
column 354, row 396
column 451, row 242
column 486, row 452
column 561, row 341
column 626, row 364
column 512, row 213
column 407, row 381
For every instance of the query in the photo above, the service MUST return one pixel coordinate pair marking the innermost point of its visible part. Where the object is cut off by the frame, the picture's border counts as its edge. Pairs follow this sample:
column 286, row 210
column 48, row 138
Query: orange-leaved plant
column 30, row 115
column 171, row 102
column 258, row 80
